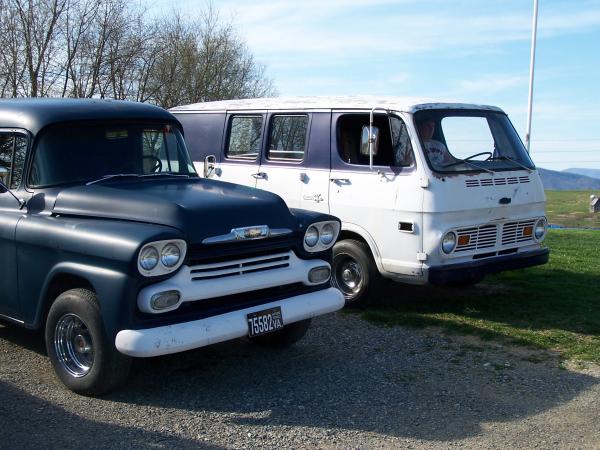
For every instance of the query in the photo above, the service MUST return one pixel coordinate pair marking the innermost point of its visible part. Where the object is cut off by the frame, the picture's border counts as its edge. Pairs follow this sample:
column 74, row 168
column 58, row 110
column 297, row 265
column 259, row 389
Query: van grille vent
column 515, row 232
column 476, row 238
column 496, row 181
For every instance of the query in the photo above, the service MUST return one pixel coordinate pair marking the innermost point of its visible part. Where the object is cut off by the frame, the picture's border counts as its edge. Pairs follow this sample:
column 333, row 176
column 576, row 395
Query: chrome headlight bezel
column 160, row 246
column 540, row 225
column 321, row 246
column 448, row 243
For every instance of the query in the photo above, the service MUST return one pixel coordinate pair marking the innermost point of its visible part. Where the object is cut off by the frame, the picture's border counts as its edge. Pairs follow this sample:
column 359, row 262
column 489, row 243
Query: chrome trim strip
column 247, row 234
column 12, row 319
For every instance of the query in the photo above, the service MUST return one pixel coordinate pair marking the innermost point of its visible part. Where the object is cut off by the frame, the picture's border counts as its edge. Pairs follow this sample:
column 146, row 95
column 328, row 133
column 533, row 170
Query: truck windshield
column 467, row 141
column 77, row 153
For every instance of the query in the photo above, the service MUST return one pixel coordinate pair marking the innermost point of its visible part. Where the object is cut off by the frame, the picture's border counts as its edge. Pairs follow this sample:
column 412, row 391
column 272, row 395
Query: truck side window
column 287, row 140
column 245, row 137
column 12, row 158
column 395, row 148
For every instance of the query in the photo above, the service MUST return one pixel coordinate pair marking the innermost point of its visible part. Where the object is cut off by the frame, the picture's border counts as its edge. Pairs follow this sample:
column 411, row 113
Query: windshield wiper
column 112, row 176
column 506, row 158
column 466, row 161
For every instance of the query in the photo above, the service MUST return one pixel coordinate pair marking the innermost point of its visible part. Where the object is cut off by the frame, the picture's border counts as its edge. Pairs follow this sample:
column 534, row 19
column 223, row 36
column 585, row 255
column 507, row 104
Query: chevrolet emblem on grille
column 247, row 233
column 256, row 232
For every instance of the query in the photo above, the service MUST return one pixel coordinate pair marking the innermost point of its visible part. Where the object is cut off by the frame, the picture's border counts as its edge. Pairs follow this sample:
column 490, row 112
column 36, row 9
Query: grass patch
column 571, row 209
column 554, row 307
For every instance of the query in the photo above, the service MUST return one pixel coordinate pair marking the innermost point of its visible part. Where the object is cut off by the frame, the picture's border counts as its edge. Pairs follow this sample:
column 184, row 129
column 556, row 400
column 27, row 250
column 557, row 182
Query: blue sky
column 467, row 50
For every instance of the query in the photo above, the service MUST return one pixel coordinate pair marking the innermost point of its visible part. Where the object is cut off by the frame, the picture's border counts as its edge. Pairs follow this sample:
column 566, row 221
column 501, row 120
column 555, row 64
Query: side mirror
column 4, row 189
column 209, row 165
column 370, row 142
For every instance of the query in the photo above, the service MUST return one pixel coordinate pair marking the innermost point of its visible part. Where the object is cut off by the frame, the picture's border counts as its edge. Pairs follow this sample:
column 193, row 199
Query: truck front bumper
column 455, row 273
column 184, row 336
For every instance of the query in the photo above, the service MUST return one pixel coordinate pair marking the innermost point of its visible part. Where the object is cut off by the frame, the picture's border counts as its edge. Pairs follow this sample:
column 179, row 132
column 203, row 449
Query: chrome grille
column 478, row 238
column 516, row 232
column 238, row 267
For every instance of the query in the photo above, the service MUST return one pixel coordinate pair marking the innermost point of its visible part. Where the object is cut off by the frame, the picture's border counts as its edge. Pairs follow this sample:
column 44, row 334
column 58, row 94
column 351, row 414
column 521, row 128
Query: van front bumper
column 455, row 273
column 232, row 325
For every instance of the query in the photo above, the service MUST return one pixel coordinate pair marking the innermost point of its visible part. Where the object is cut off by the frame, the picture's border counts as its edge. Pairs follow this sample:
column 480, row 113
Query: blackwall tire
column 81, row 354
column 355, row 274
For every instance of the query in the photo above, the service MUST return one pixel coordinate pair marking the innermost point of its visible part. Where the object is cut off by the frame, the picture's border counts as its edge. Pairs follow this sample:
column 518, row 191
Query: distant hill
column 594, row 173
column 565, row 181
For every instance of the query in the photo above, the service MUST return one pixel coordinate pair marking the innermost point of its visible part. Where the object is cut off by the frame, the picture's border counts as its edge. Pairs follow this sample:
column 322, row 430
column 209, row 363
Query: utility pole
column 531, row 71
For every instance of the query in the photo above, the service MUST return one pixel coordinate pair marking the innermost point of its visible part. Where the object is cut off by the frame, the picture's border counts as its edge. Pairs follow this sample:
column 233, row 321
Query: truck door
column 242, row 148
column 13, row 147
column 386, row 201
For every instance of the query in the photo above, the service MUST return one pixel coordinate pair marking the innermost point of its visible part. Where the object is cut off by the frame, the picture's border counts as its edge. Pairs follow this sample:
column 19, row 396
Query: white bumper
column 199, row 333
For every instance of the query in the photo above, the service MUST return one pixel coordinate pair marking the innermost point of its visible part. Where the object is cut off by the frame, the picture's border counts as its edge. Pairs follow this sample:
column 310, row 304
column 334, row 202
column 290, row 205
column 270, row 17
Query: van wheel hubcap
column 73, row 345
column 348, row 277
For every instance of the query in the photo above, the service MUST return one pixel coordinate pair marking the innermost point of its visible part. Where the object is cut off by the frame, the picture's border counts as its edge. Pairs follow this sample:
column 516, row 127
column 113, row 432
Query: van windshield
column 78, row 153
column 466, row 141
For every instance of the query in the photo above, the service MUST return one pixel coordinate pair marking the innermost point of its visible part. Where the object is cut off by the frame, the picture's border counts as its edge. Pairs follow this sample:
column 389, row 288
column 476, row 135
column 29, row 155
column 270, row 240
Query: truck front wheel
column 82, row 355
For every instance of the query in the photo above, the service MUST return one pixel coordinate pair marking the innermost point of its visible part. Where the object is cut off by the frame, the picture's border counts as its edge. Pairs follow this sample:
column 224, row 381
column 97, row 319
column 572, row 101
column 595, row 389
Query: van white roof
column 404, row 104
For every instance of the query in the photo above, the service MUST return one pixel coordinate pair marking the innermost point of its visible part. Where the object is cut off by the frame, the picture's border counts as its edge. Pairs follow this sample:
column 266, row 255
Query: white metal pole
column 531, row 71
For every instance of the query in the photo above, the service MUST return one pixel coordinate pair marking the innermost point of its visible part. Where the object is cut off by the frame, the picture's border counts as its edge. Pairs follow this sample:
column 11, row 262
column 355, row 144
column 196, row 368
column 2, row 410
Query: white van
column 439, row 193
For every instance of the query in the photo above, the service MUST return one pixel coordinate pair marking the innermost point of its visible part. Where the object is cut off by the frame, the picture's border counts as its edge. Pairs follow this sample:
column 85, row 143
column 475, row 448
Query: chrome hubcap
column 73, row 345
column 348, row 277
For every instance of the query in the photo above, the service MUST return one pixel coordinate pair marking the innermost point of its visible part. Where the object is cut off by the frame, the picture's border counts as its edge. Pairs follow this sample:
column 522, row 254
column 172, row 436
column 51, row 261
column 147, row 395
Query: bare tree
column 111, row 49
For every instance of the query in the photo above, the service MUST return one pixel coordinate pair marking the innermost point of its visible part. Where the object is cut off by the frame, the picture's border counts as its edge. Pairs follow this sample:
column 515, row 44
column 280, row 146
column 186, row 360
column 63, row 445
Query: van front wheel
column 355, row 273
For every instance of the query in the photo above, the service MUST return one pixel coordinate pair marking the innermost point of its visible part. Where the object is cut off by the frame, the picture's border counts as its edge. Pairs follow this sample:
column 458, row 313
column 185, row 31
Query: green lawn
column 571, row 209
column 555, row 307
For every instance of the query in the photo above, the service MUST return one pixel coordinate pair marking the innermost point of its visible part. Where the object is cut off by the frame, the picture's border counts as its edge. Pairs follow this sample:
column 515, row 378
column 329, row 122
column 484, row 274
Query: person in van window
column 437, row 152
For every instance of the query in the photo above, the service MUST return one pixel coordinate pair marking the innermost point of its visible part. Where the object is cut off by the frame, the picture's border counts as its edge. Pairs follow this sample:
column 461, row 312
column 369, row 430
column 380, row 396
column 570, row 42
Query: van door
column 242, row 148
column 386, row 202
column 282, row 168
column 317, row 164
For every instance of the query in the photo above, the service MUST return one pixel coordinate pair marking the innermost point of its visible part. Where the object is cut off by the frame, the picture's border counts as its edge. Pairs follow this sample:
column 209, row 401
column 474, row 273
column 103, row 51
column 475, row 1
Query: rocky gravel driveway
column 348, row 384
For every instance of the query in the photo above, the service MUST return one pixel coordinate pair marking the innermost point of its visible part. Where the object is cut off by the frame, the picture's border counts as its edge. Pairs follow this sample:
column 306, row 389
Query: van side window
column 245, row 137
column 395, row 148
column 12, row 158
column 287, row 139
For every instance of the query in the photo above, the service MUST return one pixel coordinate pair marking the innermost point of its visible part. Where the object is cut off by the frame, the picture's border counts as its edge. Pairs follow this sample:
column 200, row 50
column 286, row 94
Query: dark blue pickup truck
column 111, row 242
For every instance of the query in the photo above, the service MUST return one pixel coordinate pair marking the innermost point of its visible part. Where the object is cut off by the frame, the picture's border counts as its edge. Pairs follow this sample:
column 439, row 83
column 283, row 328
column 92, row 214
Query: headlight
column 170, row 255
column 540, row 228
column 327, row 234
column 311, row 237
column 449, row 242
column 149, row 258
column 161, row 257
column 321, row 236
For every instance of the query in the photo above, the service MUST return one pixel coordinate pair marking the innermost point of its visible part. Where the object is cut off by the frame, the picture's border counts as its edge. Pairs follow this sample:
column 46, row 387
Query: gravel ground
column 348, row 384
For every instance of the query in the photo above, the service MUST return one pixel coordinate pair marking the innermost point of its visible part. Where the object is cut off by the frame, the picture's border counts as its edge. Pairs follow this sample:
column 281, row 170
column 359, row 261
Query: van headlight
column 449, row 242
column 161, row 257
column 321, row 236
column 541, row 226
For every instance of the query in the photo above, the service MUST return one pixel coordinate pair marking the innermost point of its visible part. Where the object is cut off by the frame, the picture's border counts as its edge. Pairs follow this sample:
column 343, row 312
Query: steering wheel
column 157, row 167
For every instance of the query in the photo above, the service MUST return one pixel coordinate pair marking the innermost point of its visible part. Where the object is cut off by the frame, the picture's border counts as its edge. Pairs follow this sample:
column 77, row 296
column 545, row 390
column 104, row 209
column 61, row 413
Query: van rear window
column 245, row 137
column 287, row 139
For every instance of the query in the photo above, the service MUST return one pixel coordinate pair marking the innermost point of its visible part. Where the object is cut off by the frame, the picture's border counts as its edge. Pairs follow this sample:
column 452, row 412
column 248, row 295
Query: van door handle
column 340, row 180
column 260, row 175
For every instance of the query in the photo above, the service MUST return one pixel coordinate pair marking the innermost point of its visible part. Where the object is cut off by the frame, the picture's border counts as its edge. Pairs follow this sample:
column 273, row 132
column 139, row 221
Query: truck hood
column 199, row 208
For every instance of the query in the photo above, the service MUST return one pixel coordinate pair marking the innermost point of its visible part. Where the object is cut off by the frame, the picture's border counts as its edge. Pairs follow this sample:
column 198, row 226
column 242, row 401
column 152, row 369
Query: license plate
column 265, row 321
